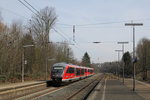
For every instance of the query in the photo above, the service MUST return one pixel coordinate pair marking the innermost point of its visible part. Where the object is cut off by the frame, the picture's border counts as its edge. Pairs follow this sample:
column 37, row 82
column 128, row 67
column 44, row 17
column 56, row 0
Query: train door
column 70, row 73
column 77, row 72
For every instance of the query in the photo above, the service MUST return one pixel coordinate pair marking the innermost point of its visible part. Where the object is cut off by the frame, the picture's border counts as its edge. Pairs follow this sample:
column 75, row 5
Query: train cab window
column 82, row 71
column 77, row 71
column 88, row 70
column 57, row 69
column 85, row 70
column 70, row 70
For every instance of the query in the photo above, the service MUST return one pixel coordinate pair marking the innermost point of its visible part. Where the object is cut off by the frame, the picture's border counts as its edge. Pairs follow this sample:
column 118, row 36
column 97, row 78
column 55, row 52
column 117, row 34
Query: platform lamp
column 134, row 24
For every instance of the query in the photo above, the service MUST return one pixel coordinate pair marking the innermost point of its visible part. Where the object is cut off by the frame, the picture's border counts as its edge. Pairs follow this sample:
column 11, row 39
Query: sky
column 94, row 20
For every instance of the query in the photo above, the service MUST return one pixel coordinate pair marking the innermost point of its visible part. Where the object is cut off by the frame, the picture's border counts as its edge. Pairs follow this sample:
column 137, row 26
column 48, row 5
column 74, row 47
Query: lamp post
column 122, row 56
column 118, row 51
column 133, row 24
column 23, row 62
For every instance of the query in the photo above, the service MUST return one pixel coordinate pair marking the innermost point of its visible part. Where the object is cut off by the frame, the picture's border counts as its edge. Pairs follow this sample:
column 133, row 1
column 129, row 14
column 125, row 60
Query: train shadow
column 58, row 84
column 51, row 83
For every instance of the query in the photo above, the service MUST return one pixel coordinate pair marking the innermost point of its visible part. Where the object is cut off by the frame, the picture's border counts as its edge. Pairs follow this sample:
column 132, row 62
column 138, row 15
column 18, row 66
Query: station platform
column 141, row 88
column 114, row 89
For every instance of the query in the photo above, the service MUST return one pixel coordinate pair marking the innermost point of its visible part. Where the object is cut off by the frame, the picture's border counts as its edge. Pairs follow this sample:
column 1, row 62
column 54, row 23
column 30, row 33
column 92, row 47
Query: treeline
column 142, row 64
column 29, row 45
column 143, row 54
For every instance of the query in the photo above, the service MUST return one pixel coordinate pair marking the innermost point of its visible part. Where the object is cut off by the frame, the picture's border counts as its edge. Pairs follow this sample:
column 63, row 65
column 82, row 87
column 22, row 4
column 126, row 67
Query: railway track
column 66, row 92
column 90, row 90
column 28, row 92
column 38, row 93
column 85, row 91
column 35, row 91
column 47, row 91
column 43, row 91
column 19, row 91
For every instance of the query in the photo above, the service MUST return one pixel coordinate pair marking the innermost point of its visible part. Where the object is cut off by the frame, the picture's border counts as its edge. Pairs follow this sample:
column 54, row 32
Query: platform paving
column 141, row 88
column 113, row 89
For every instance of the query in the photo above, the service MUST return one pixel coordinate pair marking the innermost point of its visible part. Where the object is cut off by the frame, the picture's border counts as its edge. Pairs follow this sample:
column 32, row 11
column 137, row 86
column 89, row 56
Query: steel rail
column 17, row 87
column 77, row 92
column 44, row 91
column 90, row 91
column 13, row 92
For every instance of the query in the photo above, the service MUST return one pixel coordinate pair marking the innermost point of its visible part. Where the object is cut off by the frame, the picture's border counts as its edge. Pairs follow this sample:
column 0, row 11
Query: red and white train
column 62, row 72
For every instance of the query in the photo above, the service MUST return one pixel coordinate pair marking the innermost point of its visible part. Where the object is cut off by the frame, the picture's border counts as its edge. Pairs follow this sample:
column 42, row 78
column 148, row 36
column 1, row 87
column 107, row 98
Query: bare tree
column 13, row 38
column 41, row 24
column 143, row 53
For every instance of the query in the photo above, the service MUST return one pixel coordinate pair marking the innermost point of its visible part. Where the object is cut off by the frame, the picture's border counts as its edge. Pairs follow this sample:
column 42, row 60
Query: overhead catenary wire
column 31, row 6
column 63, row 32
column 73, row 43
column 66, row 39
column 26, row 6
column 39, row 13
column 79, row 25
column 78, row 48
column 96, row 24
column 60, row 34
column 65, row 24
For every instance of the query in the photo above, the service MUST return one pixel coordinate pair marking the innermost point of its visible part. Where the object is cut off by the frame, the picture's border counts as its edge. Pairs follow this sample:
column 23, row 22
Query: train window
column 70, row 70
column 82, row 71
column 57, row 69
column 90, row 71
column 85, row 70
column 77, row 72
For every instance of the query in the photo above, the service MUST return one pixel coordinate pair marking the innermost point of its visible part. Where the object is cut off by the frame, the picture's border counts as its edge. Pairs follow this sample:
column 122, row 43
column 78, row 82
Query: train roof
column 61, row 64
column 65, row 65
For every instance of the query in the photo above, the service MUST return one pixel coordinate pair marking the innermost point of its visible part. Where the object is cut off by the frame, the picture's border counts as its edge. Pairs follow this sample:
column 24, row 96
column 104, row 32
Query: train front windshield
column 57, row 69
